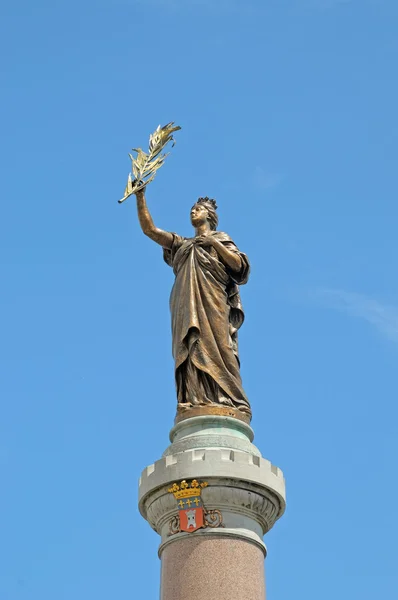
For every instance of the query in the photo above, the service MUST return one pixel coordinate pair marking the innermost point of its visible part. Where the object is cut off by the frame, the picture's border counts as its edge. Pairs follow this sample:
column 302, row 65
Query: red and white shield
column 191, row 512
column 191, row 519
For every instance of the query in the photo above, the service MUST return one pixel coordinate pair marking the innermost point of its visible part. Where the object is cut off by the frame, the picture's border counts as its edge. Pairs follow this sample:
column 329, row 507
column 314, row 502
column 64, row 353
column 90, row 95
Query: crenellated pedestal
column 211, row 498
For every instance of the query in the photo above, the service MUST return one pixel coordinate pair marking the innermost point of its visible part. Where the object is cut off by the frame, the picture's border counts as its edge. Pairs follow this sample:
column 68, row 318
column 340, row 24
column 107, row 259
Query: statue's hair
column 211, row 206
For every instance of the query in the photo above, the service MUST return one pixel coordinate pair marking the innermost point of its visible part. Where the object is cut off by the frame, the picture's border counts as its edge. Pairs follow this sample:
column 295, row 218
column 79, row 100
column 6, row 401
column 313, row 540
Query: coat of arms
column 192, row 514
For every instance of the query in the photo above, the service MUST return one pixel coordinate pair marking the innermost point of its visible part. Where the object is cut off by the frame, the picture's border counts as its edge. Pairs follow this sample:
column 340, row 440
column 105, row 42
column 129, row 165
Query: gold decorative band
column 200, row 411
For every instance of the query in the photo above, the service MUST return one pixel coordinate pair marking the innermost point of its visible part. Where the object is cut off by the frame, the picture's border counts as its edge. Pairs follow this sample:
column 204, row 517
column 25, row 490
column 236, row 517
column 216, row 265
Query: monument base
column 215, row 411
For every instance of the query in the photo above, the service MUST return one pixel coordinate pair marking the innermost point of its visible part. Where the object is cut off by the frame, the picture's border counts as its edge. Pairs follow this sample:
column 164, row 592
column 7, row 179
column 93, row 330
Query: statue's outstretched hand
column 140, row 193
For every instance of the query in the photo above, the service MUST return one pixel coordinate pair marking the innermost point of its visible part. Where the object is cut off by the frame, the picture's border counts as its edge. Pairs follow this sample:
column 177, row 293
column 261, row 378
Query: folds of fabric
column 206, row 315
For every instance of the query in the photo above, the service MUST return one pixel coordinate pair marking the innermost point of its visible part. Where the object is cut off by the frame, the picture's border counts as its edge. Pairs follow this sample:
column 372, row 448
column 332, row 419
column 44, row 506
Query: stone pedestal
column 242, row 496
column 215, row 568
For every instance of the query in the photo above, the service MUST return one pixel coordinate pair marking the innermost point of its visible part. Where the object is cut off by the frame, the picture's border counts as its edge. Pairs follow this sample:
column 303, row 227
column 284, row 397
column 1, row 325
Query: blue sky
column 289, row 119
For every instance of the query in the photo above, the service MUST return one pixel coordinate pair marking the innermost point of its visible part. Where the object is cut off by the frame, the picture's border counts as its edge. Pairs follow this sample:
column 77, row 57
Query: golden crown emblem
column 186, row 490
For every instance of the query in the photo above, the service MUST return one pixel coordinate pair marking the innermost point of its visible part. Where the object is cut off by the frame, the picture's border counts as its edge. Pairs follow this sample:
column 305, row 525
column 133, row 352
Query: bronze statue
column 206, row 310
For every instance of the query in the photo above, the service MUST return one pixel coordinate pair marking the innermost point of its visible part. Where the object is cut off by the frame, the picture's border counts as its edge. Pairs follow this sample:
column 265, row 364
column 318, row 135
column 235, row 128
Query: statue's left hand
column 204, row 240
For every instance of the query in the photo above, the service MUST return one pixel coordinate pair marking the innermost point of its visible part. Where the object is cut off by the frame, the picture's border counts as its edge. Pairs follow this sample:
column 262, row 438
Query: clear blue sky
column 289, row 116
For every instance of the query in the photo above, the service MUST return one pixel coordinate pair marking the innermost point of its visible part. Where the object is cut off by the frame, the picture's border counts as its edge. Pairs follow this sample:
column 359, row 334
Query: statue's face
column 199, row 215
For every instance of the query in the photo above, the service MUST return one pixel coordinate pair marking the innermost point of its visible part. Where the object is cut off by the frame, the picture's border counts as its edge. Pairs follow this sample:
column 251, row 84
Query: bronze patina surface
column 206, row 312
column 219, row 411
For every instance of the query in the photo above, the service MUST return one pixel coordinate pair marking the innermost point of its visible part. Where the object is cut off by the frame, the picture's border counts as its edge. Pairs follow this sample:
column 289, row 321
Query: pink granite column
column 212, row 567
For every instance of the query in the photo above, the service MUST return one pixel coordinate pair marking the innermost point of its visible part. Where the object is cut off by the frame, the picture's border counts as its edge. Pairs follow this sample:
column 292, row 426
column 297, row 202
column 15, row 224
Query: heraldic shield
column 191, row 519
column 190, row 505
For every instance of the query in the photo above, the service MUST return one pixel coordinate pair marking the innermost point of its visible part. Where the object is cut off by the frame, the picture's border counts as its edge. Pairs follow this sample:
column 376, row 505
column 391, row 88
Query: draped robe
column 206, row 313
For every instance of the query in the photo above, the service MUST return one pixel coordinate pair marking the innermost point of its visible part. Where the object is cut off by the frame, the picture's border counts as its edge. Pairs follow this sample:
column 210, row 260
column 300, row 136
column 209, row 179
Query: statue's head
column 204, row 210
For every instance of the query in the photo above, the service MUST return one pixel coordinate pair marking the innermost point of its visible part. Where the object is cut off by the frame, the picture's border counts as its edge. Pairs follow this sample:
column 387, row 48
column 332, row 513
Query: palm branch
column 145, row 164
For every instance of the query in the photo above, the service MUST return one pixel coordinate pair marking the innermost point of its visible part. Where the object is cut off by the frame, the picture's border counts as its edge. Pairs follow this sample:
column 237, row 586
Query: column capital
column 247, row 489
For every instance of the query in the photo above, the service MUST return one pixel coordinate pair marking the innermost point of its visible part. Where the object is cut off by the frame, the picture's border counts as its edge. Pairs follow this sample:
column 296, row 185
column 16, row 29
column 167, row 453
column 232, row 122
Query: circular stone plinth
column 200, row 411
column 211, row 431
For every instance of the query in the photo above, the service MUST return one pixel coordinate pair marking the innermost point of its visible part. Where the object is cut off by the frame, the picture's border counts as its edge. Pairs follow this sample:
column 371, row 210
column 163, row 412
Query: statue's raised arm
column 163, row 238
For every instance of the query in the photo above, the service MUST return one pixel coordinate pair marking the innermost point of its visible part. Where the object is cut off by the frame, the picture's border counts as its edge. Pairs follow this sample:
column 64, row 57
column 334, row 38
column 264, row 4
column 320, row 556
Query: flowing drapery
column 206, row 314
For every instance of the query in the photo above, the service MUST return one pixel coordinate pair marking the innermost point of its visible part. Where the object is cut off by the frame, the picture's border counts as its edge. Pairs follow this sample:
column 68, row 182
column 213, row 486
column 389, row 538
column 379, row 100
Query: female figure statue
column 206, row 310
